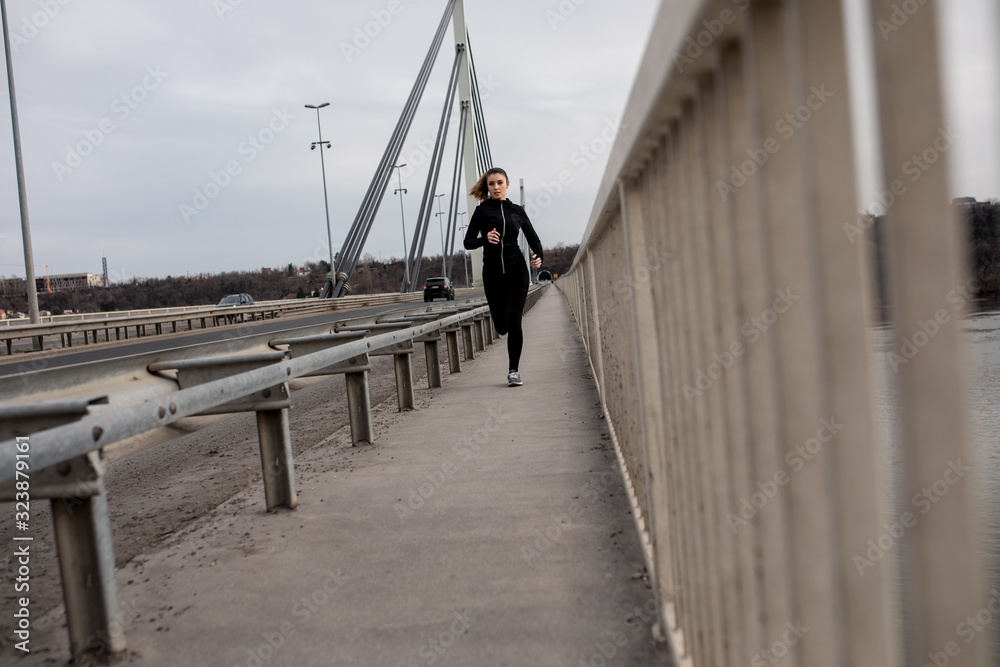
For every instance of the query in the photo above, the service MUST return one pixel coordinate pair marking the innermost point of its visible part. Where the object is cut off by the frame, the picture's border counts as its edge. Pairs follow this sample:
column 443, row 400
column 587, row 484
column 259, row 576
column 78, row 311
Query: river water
column 981, row 341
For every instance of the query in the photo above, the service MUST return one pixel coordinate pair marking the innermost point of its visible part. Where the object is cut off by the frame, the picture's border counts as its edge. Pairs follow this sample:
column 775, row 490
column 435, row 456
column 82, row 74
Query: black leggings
column 506, row 294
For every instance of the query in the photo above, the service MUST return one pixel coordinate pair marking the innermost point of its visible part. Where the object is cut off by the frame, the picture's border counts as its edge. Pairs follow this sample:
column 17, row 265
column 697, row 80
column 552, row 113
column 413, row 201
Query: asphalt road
column 103, row 351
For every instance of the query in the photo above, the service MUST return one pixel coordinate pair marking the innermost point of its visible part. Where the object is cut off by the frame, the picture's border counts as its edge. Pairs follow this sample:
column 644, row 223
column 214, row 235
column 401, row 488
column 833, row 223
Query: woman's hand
column 536, row 261
column 493, row 236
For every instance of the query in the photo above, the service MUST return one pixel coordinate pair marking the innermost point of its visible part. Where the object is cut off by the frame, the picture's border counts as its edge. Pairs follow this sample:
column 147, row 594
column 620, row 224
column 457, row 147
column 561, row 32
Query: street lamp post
column 29, row 264
column 465, row 253
column 322, row 163
column 441, row 230
column 444, row 265
column 402, row 218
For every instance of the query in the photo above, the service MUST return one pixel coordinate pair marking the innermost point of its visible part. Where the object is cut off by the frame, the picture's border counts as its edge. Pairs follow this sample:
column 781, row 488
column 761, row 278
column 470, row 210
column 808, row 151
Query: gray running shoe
column 514, row 379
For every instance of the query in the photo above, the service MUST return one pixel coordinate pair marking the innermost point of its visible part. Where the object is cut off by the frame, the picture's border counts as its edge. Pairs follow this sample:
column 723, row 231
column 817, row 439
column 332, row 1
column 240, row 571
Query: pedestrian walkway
column 489, row 527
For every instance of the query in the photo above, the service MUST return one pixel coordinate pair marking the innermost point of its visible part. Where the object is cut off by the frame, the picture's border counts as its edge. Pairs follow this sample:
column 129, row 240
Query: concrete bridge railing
column 725, row 308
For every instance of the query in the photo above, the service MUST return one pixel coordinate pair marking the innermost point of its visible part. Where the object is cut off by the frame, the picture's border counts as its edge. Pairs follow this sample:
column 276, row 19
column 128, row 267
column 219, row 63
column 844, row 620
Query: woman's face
column 497, row 184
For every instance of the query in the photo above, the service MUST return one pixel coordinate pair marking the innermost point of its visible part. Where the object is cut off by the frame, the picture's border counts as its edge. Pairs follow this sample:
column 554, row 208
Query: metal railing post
column 480, row 334
column 276, row 458
column 82, row 530
column 467, row 343
column 454, row 357
column 359, row 407
column 404, row 381
column 432, row 355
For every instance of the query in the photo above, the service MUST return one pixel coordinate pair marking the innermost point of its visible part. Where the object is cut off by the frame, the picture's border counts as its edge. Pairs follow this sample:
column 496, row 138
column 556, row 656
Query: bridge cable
column 354, row 244
column 433, row 171
column 361, row 227
column 456, row 182
column 482, row 139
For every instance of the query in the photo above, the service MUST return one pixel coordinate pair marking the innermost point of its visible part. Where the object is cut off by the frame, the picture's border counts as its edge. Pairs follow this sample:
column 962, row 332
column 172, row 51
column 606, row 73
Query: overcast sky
column 128, row 109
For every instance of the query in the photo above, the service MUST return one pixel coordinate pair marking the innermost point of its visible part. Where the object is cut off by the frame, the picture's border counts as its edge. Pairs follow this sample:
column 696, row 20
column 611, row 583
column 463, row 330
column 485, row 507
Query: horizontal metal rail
column 139, row 312
column 82, row 317
column 134, row 406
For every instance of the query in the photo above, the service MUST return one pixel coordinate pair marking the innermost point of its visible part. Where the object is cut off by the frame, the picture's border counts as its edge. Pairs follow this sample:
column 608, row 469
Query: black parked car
column 438, row 287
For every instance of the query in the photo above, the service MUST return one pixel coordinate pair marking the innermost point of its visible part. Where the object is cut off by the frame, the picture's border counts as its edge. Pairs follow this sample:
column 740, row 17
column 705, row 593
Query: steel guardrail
column 102, row 427
column 30, row 386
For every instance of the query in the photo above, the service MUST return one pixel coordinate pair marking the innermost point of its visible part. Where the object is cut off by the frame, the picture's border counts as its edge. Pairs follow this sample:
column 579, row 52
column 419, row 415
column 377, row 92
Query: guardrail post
column 276, row 458
column 467, row 345
column 480, row 334
column 86, row 556
column 432, row 356
column 404, row 381
column 359, row 406
column 454, row 360
column 488, row 328
column 87, row 566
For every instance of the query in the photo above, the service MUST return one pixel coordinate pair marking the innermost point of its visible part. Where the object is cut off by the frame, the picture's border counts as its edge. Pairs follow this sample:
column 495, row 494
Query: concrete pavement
column 489, row 527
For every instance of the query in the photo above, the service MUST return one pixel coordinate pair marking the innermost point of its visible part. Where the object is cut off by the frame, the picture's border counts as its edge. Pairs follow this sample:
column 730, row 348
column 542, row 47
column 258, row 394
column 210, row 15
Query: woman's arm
column 532, row 237
column 472, row 238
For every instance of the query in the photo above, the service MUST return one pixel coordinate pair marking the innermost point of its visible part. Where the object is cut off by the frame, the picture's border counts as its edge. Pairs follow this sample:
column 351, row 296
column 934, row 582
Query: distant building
column 12, row 286
column 58, row 283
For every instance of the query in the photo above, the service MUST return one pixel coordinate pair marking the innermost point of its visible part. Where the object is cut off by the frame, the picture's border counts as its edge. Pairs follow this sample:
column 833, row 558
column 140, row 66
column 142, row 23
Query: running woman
column 494, row 227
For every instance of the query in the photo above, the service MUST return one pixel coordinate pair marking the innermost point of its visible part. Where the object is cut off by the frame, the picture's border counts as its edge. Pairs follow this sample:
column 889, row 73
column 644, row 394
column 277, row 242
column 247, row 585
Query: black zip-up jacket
column 507, row 218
